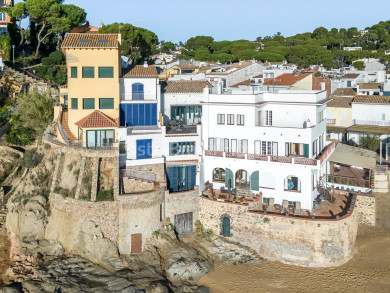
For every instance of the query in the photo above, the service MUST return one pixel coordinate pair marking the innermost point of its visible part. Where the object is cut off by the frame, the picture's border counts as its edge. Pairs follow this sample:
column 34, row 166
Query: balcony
column 367, row 122
column 265, row 158
column 136, row 97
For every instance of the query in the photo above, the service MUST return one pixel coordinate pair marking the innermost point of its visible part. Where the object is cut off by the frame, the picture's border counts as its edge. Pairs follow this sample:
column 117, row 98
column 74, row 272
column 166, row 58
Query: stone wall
column 131, row 185
column 157, row 169
column 365, row 208
column 103, row 214
column 182, row 202
column 311, row 243
column 139, row 213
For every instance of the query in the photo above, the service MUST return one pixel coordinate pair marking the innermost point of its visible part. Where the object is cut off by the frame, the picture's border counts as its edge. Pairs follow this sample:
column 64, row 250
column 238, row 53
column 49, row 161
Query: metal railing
column 136, row 174
column 214, row 153
column 62, row 131
column 235, row 155
column 348, row 181
column 77, row 145
column 368, row 122
column 137, row 96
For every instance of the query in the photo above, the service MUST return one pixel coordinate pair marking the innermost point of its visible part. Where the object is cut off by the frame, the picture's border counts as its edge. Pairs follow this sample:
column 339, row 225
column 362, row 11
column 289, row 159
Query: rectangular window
column 181, row 148
column 144, row 149
column 181, row 178
column 294, row 149
column 73, row 72
column 314, row 147
column 240, row 119
column 242, row 146
column 230, row 119
column 268, row 118
column 221, row 118
column 344, row 116
column 88, row 72
column 122, row 147
column 106, row 103
column 211, row 144
column 383, row 116
column 349, row 83
column 234, row 146
column 88, row 103
column 106, row 72
column 138, row 114
column 257, row 147
column 188, row 115
column 226, row 145
column 74, row 103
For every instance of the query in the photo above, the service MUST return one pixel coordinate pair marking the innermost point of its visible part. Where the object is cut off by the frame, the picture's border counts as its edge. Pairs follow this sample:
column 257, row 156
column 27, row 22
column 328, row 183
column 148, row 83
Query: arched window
column 219, row 175
column 292, row 183
column 242, row 179
column 137, row 90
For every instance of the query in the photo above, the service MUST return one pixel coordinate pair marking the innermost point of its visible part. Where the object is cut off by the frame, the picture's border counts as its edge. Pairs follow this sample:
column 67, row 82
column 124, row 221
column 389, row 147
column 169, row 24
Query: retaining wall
column 104, row 214
column 304, row 242
column 365, row 208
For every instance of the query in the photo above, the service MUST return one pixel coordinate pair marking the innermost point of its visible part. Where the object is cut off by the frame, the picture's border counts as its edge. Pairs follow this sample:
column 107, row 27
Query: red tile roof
column 97, row 119
column 86, row 28
column 90, row 40
column 140, row 71
column 186, row 86
column 285, row 79
column 344, row 92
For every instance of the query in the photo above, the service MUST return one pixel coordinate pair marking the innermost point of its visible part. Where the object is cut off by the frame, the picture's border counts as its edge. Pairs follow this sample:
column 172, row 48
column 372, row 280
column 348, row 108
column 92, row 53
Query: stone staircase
column 64, row 122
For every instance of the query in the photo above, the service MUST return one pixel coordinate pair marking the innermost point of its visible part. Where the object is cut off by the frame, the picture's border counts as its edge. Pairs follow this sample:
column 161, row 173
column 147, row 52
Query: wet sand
column 367, row 271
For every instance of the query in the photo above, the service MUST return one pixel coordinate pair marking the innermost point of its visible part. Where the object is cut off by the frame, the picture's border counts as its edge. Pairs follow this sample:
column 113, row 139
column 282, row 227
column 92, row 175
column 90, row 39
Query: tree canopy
column 137, row 43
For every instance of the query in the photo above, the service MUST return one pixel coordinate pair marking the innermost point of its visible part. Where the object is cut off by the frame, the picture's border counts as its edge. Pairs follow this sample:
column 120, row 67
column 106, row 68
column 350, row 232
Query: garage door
column 183, row 223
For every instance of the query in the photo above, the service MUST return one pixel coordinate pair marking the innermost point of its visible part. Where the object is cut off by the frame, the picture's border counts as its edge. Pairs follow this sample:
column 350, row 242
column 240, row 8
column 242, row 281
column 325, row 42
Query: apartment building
column 4, row 18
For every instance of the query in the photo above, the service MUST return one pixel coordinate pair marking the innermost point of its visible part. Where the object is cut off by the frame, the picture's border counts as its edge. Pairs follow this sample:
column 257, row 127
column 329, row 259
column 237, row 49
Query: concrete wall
column 139, row 213
column 311, row 243
column 337, row 113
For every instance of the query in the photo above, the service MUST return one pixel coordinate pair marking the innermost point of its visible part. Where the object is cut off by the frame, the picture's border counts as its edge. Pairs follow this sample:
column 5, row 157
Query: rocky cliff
column 58, row 251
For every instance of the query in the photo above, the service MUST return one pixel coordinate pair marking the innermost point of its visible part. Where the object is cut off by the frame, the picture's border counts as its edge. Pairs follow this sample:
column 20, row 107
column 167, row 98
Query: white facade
column 298, row 129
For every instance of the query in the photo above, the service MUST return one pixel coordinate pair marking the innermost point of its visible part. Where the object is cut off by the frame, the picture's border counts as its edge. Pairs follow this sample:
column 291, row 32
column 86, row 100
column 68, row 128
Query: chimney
column 146, row 64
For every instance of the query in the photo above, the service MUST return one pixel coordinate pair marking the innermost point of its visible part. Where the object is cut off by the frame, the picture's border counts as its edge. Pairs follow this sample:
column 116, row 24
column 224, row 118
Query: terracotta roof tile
column 97, row 119
column 245, row 82
column 86, row 28
column 140, row 71
column 363, row 99
column 186, row 86
column 89, row 40
column 370, row 86
column 344, row 92
column 340, row 102
column 285, row 79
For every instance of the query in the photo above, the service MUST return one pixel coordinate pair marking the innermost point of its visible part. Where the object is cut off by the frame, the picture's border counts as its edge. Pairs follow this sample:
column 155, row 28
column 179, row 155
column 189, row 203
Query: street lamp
column 13, row 55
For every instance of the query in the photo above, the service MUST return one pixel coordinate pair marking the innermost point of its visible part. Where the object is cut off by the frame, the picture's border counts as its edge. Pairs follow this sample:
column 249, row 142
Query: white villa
column 267, row 143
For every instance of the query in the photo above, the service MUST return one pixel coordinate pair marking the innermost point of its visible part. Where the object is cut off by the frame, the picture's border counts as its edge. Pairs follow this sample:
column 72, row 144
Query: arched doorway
column 228, row 178
column 242, row 179
column 225, row 226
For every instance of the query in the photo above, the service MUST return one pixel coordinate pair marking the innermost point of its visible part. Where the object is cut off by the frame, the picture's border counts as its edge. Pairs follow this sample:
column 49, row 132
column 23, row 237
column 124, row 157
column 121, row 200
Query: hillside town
column 128, row 168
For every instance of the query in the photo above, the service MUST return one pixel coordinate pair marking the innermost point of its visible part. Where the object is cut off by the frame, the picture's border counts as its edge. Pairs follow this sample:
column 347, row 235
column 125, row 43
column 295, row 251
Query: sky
column 178, row 20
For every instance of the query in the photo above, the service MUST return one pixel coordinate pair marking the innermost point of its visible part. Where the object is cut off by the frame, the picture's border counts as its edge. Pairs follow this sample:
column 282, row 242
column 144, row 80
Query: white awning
column 353, row 156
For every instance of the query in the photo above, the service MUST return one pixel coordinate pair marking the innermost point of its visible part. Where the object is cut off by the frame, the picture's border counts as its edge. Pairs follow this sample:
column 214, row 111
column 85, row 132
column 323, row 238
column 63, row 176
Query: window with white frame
column 181, row 148
column 226, row 144
column 268, row 118
column 320, row 117
column 315, row 147
column 230, row 119
column 266, row 148
column 240, row 119
column 242, row 146
column 221, row 118
column 211, row 144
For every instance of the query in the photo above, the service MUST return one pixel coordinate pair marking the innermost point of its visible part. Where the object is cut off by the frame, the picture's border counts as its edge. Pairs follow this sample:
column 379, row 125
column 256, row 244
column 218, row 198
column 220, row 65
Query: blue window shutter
column 122, row 115
column 255, row 181
column 172, row 173
column 134, row 118
column 147, row 114
column 154, row 114
column 171, row 148
column 191, row 177
column 141, row 114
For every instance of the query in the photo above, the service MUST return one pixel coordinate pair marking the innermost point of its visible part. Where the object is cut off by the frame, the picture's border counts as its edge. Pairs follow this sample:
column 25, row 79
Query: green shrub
column 105, row 195
column 266, row 220
column 370, row 142
column 31, row 159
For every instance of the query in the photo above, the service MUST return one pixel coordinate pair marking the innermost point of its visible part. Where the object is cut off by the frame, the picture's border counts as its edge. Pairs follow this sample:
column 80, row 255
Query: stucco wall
column 311, row 243
column 365, row 208
column 104, row 214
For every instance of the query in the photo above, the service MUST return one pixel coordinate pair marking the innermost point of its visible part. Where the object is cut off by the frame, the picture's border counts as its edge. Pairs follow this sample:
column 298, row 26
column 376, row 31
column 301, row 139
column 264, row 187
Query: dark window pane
column 73, row 72
column 106, row 72
column 106, row 103
column 88, row 104
column 88, row 72
column 75, row 103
